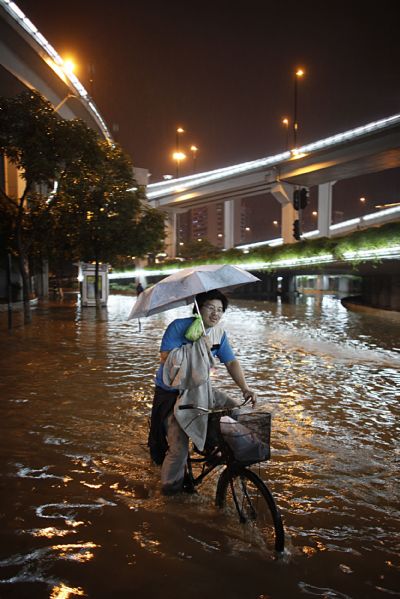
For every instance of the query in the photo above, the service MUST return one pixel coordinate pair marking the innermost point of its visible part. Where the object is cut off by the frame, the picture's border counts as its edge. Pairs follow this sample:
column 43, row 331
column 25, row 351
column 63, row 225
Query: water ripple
column 76, row 396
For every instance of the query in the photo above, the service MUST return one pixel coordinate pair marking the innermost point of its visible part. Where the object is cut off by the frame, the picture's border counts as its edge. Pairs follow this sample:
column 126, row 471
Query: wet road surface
column 81, row 513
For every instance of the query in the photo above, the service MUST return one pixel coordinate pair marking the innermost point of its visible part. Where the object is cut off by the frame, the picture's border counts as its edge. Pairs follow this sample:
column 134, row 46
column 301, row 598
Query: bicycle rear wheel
column 242, row 493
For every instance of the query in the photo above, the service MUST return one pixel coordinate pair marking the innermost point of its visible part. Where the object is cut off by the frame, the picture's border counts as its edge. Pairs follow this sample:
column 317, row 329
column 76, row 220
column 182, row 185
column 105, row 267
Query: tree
column 199, row 250
column 42, row 147
column 94, row 212
column 101, row 214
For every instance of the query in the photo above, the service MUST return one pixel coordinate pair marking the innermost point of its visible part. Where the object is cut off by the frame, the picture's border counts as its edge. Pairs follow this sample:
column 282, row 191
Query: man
column 166, row 436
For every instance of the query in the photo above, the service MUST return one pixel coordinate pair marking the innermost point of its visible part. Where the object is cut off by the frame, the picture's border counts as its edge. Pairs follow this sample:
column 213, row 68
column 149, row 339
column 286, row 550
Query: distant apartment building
column 207, row 222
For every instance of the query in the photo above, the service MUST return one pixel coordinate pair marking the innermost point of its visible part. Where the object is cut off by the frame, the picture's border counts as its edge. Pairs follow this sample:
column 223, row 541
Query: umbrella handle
column 201, row 319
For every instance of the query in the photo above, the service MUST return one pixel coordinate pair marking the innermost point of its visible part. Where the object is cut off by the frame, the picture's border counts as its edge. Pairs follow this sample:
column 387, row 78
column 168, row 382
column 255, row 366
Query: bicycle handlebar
column 212, row 411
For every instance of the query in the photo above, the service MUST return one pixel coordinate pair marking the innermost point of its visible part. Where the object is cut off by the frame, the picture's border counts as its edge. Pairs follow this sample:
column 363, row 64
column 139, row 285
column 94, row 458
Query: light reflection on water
column 81, row 499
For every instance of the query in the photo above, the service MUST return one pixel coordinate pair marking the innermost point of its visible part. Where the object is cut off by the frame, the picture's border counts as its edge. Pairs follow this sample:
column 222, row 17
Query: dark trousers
column 163, row 405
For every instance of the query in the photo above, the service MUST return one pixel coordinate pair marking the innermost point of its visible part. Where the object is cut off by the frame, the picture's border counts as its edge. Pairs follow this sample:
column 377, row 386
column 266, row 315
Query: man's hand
column 249, row 395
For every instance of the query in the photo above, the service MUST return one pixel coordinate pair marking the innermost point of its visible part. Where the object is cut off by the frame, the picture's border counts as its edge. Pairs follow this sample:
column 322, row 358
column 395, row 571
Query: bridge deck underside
column 375, row 152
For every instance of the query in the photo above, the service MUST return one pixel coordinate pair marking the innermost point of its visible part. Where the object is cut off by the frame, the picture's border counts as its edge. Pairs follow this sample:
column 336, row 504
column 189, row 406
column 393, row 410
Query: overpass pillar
column 284, row 194
column 229, row 224
column 170, row 240
column 325, row 208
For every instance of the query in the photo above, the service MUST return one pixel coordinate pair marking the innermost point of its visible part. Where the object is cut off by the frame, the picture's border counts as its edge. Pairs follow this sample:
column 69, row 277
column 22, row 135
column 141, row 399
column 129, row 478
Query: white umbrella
column 181, row 288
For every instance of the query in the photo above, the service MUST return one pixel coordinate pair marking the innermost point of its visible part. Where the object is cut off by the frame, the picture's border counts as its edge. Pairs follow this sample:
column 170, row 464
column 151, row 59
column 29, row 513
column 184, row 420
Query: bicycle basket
column 249, row 436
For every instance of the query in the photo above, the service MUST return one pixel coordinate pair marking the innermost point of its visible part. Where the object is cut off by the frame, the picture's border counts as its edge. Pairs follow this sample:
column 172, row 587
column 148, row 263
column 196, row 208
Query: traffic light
column 300, row 198
column 296, row 199
column 304, row 197
column 296, row 230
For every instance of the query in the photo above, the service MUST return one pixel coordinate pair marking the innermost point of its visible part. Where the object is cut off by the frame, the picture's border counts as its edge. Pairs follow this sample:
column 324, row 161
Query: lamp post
column 285, row 123
column 298, row 74
column 178, row 156
column 61, row 104
column 194, row 150
column 69, row 67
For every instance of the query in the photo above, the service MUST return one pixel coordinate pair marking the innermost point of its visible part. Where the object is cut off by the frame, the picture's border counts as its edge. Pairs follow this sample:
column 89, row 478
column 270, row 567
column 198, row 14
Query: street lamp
column 179, row 132
column 178, row 157
column 285, row 123
column 194, row 150
column 69, row 66
column 298, row 74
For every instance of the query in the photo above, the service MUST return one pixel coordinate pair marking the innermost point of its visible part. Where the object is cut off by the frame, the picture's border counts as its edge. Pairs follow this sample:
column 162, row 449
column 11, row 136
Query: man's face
column 211, row 312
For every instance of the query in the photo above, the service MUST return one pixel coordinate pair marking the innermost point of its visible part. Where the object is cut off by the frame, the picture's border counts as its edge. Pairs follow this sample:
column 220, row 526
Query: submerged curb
column 352, row 304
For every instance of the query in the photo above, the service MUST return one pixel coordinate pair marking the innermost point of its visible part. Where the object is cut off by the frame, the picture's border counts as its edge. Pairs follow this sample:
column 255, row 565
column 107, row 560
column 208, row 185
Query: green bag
column 195, row 330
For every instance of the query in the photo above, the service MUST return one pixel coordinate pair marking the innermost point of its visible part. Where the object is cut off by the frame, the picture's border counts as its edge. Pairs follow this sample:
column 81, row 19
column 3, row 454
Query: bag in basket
column 247, row 445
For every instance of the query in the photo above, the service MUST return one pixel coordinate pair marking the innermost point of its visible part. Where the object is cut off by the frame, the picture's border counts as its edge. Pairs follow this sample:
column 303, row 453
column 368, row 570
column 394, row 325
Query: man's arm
column 235, row 370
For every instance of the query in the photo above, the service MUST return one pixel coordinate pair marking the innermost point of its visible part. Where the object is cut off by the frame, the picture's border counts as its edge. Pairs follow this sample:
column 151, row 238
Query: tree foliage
column 94, row 213
column 101, row 212
column 28, row 136
column 198, row 250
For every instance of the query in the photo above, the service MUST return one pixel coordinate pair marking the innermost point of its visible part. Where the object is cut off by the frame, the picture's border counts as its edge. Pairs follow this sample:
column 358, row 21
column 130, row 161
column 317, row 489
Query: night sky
column 225, row 73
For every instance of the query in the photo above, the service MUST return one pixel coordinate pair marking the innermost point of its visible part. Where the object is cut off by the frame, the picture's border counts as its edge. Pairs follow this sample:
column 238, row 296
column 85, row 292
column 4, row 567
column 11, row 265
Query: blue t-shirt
column 174, row 337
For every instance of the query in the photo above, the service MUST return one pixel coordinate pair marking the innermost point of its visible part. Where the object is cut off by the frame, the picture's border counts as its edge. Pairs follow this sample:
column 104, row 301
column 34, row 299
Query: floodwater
column 81, row 513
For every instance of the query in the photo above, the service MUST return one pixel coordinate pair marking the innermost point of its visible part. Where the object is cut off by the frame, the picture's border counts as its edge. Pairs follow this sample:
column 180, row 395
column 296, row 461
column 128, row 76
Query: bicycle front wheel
column 241, row 493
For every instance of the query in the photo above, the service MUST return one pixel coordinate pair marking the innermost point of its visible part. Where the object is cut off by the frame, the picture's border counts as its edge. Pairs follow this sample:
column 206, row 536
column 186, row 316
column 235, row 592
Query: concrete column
column 288, row 285
column 289, row 215
column 229, row 224
column 325, row 208
column 170, row 241
column 140, row 264
column 284, row 194
column 344, row 285
column 322, row 283
column 395, row 293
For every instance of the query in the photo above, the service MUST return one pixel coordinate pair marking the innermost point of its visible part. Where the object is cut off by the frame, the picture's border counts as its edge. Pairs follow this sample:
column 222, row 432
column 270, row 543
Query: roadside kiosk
column 87, row 272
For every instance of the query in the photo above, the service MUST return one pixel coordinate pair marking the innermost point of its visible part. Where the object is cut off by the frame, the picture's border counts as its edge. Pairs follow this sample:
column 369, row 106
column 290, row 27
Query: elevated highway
column 28, row 61
column 370, row 148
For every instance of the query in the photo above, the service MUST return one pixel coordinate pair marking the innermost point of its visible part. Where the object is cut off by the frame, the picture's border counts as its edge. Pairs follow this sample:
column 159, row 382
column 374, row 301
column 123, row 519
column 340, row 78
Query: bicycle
column 239, row 489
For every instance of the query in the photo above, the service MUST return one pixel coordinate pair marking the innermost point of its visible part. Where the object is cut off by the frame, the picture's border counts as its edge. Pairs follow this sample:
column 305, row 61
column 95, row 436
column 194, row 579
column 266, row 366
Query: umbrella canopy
column 181, row 288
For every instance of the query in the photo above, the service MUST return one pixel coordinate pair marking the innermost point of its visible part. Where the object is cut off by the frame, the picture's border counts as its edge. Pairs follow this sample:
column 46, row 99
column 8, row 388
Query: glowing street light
column 178, row 157
column 194, row 150
column 179, row 132
column 285, row 123
column 298, row 74
column 69, row 66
